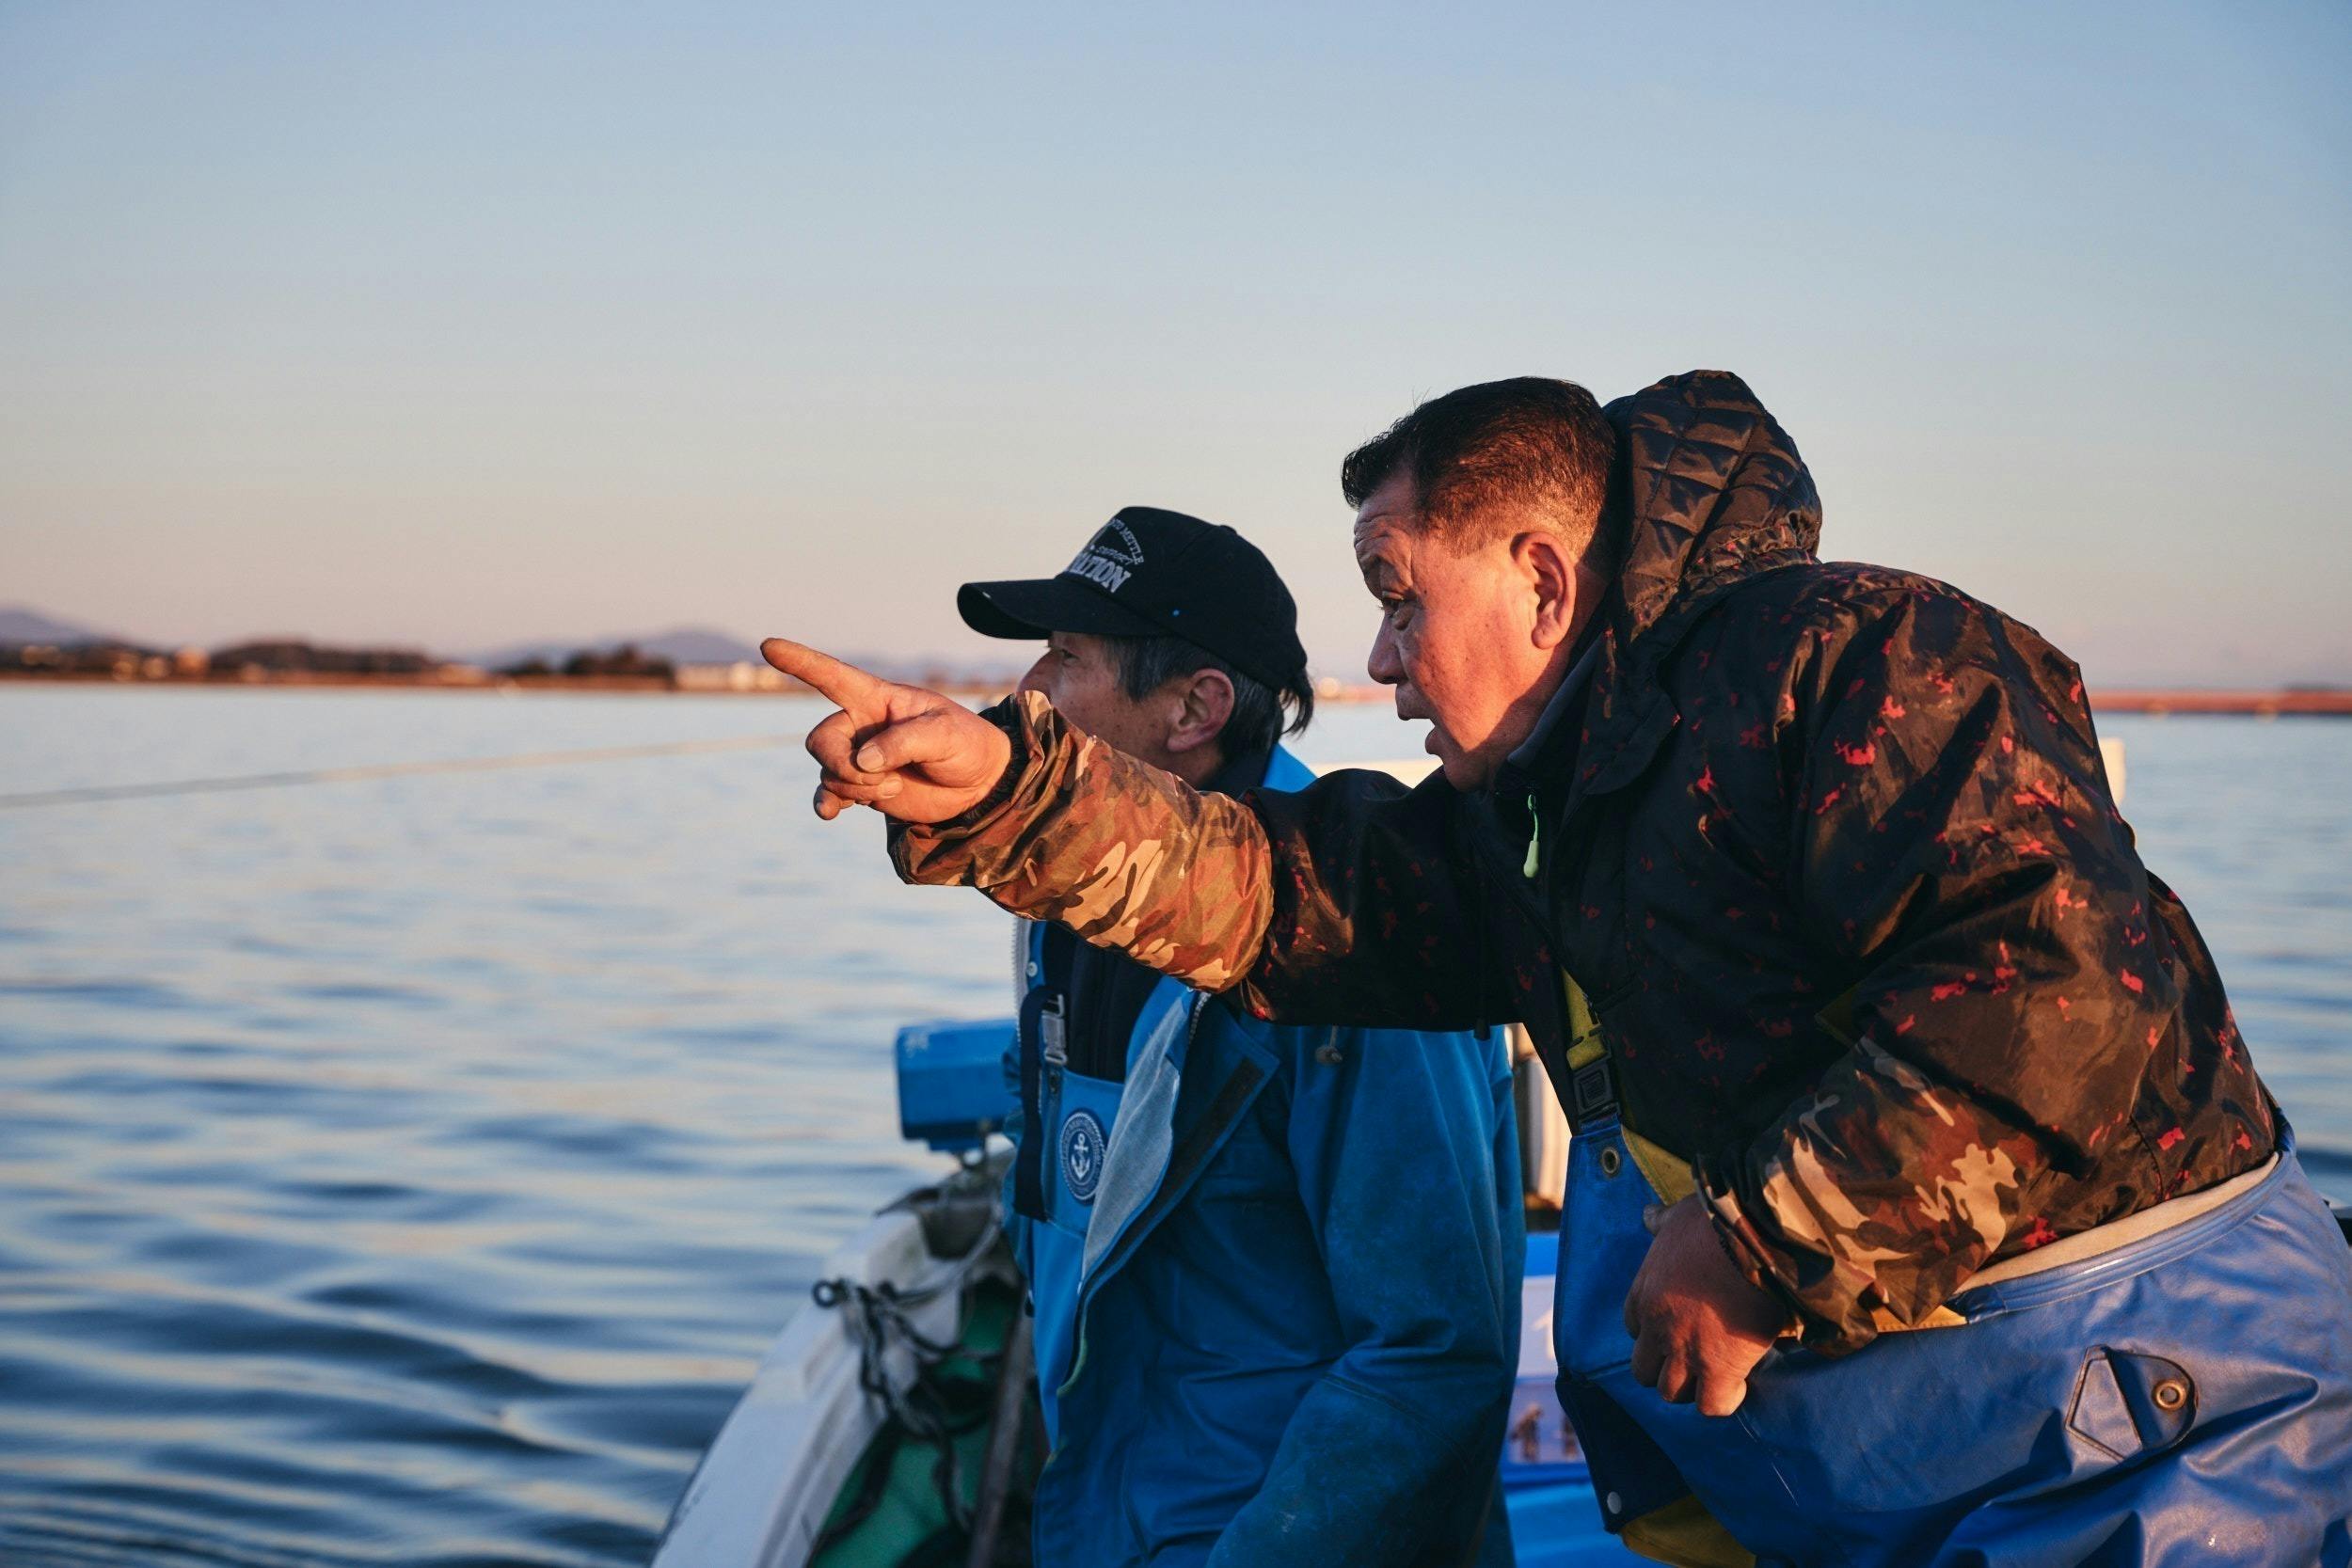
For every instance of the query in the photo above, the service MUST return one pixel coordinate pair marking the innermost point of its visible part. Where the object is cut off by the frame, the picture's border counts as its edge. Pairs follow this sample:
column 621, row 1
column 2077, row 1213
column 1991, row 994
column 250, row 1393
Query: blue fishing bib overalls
column 2183, row 1398
column 1060, row 1169
column 1077, row 1114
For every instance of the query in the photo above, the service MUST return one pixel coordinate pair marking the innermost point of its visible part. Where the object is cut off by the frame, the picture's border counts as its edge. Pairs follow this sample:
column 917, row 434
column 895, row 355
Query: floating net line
column 94, row 793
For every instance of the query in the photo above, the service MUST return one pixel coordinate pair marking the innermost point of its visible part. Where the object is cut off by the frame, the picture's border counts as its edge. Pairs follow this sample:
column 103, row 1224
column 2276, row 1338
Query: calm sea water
column 411, row 1171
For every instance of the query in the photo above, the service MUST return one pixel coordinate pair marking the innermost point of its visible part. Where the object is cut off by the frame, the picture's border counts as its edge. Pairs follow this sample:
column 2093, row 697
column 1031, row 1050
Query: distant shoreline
column 2296, row 702
column 2328, row 703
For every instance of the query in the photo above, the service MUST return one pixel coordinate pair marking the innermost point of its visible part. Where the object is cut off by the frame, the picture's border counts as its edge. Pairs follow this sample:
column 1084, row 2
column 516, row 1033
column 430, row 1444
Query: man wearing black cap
column 1172, row 639
column 1255, row 1345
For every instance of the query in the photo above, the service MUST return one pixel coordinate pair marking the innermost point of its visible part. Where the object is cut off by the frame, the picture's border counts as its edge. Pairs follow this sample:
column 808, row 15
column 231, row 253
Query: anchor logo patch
column 1083, row 1147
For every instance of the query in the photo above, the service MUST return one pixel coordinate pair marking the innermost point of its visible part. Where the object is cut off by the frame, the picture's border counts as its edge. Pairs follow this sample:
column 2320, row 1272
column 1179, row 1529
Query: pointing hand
column 908, row 752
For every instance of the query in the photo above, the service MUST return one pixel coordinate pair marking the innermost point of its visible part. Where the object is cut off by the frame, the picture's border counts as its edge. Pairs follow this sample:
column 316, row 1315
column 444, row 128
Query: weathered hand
column 908, row 752
column 1700, row 1327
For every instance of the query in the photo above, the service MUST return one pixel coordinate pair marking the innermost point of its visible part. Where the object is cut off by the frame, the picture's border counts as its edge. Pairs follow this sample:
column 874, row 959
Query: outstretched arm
column 1125, row 855
column 1338, row 904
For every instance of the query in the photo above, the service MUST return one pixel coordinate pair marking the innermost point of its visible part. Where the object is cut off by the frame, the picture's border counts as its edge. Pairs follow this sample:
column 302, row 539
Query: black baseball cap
column 1152, row 573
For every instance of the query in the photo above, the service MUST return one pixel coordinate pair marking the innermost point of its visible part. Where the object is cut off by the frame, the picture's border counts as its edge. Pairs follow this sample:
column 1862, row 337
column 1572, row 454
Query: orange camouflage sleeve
column 1343, row 903
column 1124, row 855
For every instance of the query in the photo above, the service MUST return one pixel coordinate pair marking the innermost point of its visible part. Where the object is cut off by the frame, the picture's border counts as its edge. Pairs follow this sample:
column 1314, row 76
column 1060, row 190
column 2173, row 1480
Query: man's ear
column 1554, row 580
column 1203, row 701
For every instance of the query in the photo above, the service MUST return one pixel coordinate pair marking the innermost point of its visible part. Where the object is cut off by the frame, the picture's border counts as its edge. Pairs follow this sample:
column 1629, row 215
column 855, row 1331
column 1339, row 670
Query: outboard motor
column 953, row 1087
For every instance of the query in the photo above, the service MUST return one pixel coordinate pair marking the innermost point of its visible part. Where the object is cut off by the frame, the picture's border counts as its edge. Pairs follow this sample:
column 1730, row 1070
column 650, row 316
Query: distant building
column 120, row 661
column 739, row 676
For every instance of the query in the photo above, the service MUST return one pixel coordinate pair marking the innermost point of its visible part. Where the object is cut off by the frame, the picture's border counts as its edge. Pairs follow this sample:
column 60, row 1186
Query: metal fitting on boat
column 1611, row 1160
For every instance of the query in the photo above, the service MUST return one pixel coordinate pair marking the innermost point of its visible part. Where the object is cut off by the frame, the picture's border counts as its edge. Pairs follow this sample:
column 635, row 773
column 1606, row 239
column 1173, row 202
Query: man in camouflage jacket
column 1825, row 852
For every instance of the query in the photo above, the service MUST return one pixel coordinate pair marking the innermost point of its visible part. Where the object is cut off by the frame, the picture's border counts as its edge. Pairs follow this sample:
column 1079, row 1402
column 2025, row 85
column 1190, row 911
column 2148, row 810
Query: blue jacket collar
column 1285, row 773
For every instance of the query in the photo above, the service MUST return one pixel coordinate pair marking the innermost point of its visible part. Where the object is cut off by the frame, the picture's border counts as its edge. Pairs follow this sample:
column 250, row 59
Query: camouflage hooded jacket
column 1829, row 849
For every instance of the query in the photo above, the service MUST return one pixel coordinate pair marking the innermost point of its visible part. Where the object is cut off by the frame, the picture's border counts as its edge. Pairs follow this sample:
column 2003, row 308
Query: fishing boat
column 893, row 1422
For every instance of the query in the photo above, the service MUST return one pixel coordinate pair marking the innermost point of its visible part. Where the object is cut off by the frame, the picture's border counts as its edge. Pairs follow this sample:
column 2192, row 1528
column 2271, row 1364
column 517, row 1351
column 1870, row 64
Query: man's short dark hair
column 1257, row 722
column 1488, row 459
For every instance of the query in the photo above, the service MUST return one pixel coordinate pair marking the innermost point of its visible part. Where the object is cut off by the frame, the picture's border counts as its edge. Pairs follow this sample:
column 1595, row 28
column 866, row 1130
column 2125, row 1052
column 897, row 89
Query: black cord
column 877, row 1317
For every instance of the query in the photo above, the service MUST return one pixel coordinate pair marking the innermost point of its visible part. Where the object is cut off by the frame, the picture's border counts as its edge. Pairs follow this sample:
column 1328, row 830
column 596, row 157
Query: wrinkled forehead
column 1392, row 506
column 1384, row 540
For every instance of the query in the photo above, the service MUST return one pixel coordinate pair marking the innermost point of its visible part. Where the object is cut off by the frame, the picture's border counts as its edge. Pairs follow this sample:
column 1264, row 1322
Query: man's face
column 1457, row 636
column 1080, row 675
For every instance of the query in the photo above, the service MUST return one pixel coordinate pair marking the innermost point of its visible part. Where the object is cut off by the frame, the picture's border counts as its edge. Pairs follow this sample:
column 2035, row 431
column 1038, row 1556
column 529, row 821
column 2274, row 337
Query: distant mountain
column 24, row 624
column 698, row 645
column 679, row 645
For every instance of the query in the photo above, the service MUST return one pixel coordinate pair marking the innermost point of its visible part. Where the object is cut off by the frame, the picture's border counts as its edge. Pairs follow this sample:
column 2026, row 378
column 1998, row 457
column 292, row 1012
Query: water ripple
column 410, row 1173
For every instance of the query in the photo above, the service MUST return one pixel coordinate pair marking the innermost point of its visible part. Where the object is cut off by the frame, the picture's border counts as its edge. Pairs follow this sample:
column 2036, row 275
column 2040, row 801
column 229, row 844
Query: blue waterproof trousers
column 2184, row 1400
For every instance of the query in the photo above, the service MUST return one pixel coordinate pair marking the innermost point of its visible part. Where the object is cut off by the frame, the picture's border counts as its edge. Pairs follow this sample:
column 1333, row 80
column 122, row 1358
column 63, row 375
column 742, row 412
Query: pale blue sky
column 465, row 325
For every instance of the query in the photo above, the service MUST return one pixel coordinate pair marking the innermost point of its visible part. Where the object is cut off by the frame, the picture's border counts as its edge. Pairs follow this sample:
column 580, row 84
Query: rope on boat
column 877, row 1319
column 384, row 771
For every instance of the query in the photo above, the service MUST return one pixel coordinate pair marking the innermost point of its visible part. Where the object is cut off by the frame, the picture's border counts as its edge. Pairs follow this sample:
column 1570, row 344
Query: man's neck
column 1561, row 698
column 1198, row 766
column 1527, row 714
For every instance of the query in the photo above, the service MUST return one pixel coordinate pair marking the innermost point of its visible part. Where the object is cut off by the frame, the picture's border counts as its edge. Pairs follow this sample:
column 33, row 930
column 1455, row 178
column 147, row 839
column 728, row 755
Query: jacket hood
column 1711, row 492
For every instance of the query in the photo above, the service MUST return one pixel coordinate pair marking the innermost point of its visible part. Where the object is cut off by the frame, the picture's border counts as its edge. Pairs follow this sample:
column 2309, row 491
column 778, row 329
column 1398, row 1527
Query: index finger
column 844, row 684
